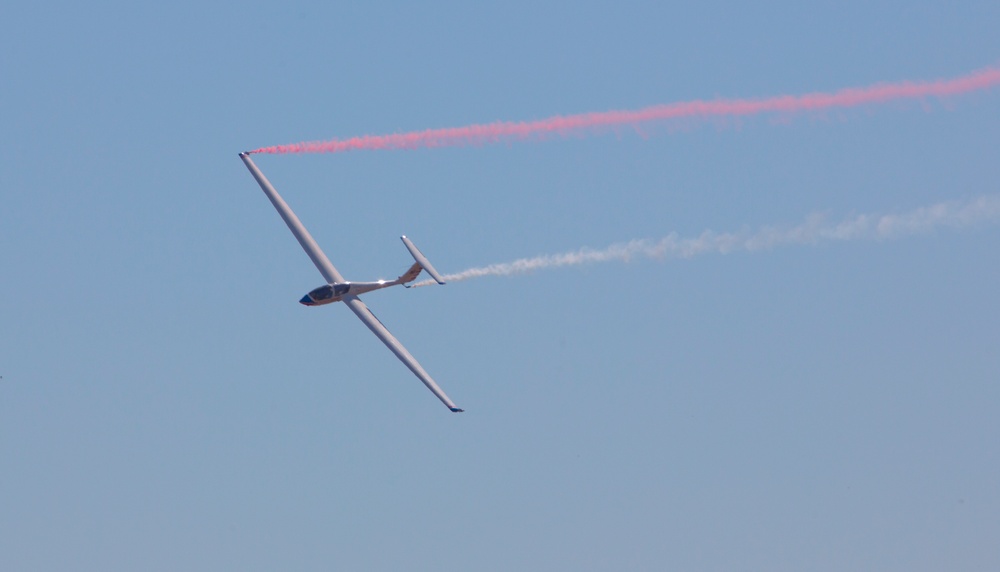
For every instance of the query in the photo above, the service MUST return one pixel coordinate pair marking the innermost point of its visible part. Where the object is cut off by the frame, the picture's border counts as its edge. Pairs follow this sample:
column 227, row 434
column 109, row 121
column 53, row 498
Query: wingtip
column 456, row 410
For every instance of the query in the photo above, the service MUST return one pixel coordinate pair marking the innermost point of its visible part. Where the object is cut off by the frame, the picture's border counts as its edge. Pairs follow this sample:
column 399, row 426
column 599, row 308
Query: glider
column 337, row 289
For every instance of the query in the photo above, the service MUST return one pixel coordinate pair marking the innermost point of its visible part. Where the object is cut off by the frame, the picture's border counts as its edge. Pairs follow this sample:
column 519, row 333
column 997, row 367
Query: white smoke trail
column 815, row 230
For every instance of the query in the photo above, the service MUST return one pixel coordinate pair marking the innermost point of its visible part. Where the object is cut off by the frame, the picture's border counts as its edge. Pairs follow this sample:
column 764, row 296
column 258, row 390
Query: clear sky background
column 166, row 404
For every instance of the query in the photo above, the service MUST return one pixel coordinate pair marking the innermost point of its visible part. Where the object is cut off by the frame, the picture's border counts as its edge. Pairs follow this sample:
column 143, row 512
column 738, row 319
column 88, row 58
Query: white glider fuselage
column 330, row 293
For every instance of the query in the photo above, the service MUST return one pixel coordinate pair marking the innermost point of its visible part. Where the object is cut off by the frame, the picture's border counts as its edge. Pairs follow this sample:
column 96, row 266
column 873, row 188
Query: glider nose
column 307, row 301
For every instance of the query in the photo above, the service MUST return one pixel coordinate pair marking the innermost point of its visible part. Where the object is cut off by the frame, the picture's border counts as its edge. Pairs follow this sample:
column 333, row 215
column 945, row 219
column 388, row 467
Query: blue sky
column 167, row 404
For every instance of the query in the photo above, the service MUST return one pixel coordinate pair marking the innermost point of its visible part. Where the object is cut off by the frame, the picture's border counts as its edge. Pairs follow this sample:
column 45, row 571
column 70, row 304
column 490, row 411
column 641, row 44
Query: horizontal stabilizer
column 422, row 260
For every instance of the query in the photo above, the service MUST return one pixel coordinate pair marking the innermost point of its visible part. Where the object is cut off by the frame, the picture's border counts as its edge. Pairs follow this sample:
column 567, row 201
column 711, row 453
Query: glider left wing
column 295, row 225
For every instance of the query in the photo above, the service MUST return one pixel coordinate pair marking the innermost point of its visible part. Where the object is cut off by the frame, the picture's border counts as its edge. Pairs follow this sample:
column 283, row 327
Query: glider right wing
column 390, row 341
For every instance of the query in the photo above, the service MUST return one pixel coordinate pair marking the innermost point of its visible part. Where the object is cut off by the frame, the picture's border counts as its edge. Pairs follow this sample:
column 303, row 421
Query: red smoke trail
column 506, row 131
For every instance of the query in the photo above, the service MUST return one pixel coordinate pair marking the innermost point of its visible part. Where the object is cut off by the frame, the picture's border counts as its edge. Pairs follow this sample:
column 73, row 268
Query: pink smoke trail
column 563, row 125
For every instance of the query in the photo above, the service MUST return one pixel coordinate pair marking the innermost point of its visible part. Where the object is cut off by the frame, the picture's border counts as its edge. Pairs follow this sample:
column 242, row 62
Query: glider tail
column 411, row 274
column 422, row 262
